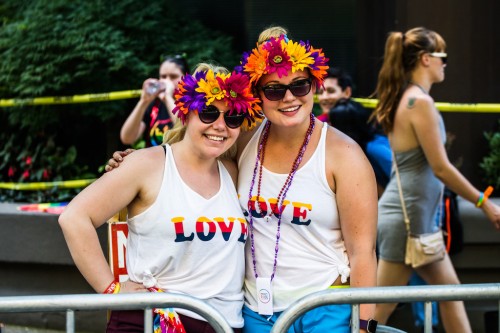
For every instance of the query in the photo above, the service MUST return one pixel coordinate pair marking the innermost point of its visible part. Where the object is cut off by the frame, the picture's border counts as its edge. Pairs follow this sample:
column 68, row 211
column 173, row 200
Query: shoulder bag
column 420, row 249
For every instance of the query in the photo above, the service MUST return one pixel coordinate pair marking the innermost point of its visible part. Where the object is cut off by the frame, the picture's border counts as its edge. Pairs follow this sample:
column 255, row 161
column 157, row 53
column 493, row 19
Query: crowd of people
column 251, row 202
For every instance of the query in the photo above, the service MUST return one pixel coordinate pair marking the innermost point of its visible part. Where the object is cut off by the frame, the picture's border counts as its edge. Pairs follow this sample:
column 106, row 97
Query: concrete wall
column 34, row 260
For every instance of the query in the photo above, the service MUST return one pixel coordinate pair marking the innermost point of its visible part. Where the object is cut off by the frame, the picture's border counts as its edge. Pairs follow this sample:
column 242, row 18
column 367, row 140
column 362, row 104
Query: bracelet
column 369, row 325
column 113, row 288
column 479, row 202
column 483, row 196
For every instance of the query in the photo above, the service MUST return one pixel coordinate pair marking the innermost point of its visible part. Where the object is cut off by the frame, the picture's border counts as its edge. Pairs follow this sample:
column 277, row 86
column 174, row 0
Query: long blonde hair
column 401, row 56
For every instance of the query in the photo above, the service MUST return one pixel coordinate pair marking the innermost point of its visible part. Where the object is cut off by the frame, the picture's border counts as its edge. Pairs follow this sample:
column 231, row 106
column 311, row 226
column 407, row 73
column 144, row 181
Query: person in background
column 413, row 62
column 152, row 116
column 351, row 118
column 190, row 240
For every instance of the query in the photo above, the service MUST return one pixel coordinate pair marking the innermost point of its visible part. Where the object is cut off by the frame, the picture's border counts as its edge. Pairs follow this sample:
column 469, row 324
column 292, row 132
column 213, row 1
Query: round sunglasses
column 210, row 114
column 275, row 92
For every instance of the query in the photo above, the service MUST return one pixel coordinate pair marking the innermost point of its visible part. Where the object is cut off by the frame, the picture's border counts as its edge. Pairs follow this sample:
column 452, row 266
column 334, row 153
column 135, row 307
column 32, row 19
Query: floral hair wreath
column 197, row 91
column 280, row 54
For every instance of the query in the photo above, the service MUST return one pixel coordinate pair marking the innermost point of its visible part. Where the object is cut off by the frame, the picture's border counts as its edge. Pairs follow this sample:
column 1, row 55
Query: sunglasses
column 275, row 92
column 442, row 55
column 210, row 114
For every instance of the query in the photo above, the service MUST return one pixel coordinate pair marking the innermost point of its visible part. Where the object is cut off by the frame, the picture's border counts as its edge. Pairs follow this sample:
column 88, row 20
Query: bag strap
column 401, row 197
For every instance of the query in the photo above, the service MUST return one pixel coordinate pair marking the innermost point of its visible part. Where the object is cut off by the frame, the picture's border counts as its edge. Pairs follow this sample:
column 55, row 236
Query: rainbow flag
column 50, row 207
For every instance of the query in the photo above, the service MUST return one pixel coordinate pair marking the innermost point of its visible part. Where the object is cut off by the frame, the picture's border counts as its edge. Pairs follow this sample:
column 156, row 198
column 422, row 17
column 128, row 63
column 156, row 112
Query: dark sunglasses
column 210, row 114
column 275, row 92
column 442, row 55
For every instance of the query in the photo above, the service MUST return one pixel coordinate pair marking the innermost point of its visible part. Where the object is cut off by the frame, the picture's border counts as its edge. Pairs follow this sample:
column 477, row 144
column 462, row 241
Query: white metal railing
column 354, row 296
column 146, row 301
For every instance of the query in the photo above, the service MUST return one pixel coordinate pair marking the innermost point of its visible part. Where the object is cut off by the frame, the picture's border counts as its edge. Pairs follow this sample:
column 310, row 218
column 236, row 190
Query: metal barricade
column 356, row 296
column 146, row 301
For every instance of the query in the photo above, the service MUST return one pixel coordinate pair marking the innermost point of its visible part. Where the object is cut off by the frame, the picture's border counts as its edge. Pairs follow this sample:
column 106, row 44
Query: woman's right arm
column 89, row 210
column 133, row 127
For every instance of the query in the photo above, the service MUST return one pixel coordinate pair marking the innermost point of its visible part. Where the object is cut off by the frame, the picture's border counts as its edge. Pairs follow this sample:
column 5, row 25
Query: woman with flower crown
column 308, row 192
column 186, row 230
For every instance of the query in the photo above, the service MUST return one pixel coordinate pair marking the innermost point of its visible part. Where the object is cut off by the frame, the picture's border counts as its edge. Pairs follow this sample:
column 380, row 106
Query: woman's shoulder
column 338, row 142
column 341, row 149
column 146, row 158
column 231, row 168
column 412, row 100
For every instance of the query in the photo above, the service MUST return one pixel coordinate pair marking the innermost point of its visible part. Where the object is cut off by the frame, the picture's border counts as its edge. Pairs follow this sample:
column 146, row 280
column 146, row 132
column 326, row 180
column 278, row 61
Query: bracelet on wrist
column 483, row 196
column 113, row 288
column 369, row 325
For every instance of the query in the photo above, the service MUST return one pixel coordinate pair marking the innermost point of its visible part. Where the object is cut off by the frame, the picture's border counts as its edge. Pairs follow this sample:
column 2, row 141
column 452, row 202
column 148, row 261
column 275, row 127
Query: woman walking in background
column 413, row 62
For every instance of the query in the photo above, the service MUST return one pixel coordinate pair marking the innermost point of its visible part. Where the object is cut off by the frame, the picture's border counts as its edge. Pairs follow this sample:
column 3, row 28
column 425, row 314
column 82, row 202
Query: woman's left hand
column 132, row 287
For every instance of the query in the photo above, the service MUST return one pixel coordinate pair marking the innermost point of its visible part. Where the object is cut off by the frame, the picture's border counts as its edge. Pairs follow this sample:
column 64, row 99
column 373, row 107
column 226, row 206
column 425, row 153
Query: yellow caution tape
column 447, row 107
column 46, row 185
column 117, row 95
column 88, row 98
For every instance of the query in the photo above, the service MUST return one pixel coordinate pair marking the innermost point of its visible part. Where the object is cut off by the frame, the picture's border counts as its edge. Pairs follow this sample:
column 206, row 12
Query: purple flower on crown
column 188, row 99
column 241, row 68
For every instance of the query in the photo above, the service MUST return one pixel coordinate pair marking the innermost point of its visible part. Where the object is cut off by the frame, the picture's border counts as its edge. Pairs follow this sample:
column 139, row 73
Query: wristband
column 483, row 196
column 113, row 288
column 369, row 325
column 479, row 202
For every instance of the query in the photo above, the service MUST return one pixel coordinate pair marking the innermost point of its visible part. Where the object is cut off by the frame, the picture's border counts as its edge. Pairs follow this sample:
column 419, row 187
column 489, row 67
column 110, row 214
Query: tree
column 63, row 48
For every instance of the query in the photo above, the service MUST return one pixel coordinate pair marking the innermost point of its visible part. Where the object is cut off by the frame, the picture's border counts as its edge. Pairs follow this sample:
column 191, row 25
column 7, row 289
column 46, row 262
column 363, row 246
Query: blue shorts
column 329, row 318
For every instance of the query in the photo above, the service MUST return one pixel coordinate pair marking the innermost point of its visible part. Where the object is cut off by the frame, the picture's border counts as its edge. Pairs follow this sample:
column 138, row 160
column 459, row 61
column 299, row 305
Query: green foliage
column 38, row 159
column 65, row 48
column 491, row 162
column 58, row 47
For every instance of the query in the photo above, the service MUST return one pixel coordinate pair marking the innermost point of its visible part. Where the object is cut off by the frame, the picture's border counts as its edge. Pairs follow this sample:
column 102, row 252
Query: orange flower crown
column 280, row 54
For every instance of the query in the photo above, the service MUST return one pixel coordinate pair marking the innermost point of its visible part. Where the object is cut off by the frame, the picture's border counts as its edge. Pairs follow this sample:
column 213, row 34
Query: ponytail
column 401, row 57
column 391, row 81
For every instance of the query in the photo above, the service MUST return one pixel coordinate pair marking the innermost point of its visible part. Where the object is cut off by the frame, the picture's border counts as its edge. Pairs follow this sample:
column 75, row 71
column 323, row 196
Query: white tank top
column 187, row 244
column 311, row 250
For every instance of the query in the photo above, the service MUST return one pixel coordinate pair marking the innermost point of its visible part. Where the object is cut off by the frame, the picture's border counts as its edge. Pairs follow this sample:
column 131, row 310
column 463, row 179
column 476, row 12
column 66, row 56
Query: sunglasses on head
column 275, row 92
column 442, row 55
column 210, row 114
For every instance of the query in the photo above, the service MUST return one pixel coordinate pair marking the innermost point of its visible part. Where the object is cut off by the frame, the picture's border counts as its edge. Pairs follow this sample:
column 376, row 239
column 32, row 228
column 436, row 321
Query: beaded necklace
column 282, row 193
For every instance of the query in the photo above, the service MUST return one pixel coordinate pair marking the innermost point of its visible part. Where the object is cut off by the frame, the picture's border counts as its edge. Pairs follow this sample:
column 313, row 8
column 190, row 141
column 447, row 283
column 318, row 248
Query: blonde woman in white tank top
column 186, row 230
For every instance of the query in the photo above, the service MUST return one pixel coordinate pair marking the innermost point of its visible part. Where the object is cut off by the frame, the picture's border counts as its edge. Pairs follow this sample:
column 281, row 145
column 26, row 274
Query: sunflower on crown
column 279, row 55
column 197, row 91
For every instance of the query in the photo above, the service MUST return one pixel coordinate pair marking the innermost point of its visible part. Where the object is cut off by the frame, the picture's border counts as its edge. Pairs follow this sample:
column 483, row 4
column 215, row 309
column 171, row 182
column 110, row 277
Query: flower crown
column 280, row 54
column 196, row 92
